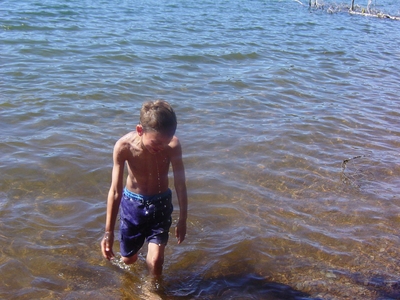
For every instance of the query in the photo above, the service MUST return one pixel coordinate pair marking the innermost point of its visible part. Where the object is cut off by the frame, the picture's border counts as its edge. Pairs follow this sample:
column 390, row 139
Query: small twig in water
column 346, row 178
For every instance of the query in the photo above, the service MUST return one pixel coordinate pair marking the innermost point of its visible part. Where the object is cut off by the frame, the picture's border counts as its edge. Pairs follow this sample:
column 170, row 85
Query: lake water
column 290, row 124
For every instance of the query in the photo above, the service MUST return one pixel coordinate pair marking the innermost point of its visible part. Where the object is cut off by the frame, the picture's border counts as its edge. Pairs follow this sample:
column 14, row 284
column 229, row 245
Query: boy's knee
column 155, row 261
column 130, row 260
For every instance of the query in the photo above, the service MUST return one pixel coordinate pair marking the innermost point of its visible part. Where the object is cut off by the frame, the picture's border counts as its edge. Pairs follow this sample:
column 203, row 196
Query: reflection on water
column 289, row 123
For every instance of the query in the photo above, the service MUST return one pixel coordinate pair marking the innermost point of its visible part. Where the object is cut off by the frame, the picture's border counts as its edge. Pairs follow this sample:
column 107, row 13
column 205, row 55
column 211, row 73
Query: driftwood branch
column 367, row 12
column 378, row 15
column 298, row 1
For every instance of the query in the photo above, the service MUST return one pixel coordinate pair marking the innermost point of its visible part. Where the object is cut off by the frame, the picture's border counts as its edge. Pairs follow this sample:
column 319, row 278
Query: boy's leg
column 131, row 229
column 155, row 258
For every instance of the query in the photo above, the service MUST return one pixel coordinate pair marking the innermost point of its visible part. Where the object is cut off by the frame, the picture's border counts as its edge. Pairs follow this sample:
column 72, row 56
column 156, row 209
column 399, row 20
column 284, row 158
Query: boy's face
column 153, row 141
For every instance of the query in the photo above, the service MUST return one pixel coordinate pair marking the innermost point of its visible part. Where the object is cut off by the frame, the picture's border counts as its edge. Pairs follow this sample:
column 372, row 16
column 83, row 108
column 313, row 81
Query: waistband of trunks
column 139, row 197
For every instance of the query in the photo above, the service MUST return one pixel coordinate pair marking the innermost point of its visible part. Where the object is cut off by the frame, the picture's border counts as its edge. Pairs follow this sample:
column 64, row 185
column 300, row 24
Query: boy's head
column 158, row 116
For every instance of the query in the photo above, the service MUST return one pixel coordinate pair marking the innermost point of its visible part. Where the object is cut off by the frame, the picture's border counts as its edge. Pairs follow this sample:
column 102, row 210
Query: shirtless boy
column 145, row 200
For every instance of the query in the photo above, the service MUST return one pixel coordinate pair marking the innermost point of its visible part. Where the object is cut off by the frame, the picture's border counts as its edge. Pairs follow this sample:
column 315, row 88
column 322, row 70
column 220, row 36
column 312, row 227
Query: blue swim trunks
column 144, row 218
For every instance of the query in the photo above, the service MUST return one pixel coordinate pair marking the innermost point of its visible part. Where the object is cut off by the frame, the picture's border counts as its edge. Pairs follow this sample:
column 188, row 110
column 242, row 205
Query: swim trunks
column 144, row 218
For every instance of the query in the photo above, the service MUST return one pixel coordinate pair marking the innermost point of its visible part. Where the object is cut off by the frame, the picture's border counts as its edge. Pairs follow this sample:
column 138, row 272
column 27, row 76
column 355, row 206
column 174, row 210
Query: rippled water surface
column 289, row 119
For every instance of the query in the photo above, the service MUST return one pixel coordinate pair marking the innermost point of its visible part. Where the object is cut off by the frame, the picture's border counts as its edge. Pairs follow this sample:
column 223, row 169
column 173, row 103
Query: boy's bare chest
column 144, row 164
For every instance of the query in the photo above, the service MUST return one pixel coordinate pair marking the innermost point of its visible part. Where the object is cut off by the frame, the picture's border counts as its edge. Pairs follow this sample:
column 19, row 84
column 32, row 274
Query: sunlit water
column 289, row 119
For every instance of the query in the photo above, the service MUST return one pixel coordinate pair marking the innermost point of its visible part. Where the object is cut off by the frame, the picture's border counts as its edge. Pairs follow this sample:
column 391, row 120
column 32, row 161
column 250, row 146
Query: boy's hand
column 180, row 231
column 107, row 244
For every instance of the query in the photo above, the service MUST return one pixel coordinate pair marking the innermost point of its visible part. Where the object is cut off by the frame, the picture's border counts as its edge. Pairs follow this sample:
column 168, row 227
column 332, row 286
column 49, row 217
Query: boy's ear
column 139, row 129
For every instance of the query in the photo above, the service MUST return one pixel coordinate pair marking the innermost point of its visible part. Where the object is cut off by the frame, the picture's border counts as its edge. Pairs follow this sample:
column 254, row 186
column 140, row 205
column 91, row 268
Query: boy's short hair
column 158, row 116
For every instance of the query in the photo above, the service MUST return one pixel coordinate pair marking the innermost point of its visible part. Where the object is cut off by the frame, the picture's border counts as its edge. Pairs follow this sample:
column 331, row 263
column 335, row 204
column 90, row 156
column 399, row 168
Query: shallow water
column 289, row 119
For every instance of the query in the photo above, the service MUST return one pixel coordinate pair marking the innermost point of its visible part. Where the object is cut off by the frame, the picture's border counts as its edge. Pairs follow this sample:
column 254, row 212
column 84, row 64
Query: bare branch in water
column 353, row 9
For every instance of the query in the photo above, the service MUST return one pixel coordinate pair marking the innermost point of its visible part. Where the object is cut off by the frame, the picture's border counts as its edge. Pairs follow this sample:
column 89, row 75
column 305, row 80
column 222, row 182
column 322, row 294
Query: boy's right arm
column 113, row 200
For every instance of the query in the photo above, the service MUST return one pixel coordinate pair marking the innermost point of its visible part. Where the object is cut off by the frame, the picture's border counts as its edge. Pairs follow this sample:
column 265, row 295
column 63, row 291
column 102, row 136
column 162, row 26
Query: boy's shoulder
column 130, row 141
column 174, row 142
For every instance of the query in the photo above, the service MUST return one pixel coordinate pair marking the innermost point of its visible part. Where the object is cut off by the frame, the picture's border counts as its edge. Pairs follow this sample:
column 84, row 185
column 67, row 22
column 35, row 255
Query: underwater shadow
column 385, row 288
column 239, row 286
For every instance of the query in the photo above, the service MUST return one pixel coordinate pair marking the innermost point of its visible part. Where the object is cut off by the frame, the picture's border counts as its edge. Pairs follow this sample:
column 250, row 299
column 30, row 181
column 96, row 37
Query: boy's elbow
column 114, row 195
column 117, row 196
column 180, row 185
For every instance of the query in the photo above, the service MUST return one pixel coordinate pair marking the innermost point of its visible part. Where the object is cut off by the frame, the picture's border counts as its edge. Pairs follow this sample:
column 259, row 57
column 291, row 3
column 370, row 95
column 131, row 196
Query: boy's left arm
column 180, row 188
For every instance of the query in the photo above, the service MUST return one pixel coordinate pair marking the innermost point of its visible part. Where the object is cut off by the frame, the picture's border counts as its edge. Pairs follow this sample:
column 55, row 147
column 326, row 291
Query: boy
column 145, row 201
